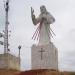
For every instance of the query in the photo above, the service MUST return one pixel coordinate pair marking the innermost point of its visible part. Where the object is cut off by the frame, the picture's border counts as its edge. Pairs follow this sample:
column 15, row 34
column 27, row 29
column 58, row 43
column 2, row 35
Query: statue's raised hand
column 32, row 13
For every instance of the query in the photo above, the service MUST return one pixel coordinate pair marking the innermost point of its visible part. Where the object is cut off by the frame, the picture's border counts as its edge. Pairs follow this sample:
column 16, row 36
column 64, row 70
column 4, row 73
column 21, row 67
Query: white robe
column 44, row 37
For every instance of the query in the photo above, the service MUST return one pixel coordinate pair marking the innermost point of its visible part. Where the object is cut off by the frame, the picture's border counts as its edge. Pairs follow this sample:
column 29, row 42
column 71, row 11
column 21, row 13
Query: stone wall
column 8, row 72
column 67, row 73
column 45, row 72
column 14, row 62
column 40, row 72
column 9, row 61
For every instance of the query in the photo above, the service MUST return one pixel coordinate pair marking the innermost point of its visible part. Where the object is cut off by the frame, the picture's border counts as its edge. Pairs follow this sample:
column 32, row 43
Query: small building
column 9, row 64
column 9, row 61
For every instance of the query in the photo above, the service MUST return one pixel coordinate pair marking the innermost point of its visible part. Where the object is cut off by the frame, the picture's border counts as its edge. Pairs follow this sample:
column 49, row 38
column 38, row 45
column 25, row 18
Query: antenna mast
column 6, row 27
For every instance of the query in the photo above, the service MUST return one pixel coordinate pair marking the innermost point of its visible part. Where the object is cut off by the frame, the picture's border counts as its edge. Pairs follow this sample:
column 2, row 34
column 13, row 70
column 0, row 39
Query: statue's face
column 42, row 9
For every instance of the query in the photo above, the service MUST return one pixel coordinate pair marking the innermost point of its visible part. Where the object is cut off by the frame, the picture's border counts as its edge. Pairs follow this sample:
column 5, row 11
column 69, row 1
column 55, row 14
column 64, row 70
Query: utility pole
column 6, row 27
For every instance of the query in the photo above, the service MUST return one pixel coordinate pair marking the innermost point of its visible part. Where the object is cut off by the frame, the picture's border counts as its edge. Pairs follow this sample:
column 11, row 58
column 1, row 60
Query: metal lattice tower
column 6, row 27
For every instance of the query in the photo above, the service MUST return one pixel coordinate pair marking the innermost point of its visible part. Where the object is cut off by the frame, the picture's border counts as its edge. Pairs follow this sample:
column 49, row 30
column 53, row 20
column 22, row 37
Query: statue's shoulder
column 48, row 13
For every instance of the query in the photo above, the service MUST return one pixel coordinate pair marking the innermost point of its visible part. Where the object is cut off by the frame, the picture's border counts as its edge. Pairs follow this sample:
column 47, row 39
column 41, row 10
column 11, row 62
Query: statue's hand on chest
column 44, row 16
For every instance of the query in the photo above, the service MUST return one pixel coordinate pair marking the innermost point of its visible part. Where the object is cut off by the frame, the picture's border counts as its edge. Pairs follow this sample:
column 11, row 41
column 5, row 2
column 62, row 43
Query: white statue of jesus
column 44, row 20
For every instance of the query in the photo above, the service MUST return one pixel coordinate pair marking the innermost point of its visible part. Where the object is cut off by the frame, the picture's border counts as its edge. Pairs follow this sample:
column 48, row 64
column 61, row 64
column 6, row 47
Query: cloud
column 67, row 51
column 2, row 15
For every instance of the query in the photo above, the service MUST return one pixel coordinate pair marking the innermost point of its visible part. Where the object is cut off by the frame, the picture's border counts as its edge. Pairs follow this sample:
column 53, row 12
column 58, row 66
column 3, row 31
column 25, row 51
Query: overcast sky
column 22, row 29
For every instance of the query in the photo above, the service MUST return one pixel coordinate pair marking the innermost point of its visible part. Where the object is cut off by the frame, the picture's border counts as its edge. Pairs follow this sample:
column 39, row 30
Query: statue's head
column 43, row 9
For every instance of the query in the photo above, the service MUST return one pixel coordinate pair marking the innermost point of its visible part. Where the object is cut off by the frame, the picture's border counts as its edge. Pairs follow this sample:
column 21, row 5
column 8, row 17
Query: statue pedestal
column 44, row 57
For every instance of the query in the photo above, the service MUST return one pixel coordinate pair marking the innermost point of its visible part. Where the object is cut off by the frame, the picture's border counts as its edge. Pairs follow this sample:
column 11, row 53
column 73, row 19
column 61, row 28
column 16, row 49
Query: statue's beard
column 43, row 11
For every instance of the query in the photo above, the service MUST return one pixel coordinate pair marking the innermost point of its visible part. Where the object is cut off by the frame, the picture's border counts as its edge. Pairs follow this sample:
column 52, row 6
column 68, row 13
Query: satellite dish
column 1, row 35
column 1, row 42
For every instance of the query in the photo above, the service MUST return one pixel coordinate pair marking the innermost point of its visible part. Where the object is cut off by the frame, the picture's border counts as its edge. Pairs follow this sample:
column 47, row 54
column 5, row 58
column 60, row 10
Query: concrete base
column 48, row 59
